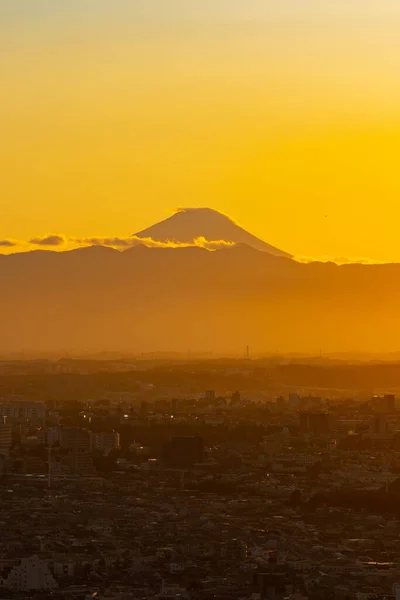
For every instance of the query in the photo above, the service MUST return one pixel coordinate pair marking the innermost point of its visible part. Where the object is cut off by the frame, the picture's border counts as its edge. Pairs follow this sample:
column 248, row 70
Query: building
column 18, row 410
column 389, row 401
column 315, row 423
column 75, row 439
column 272, row 583
column 235, row 551
column 272, row 445
column 105, row 442
column 235, row 399
column 379, row 425
column 210, row 395
column 144, row 409
column 30, row 574
column 49, row 436
column 64, row 569
column 5, row 439
column 183, row 452
column 83, row 463
column 294, row 401
column 384, row 404
column 310, row 403
column 77, row 462
column 34, row 464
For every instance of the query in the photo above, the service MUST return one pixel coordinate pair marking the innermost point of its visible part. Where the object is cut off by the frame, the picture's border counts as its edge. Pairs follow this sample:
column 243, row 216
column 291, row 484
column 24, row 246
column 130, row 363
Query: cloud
column 106, row 241
column 49, row 240
column 200, row 242
column 339, row 260
column 56, row 241
column 130, row 242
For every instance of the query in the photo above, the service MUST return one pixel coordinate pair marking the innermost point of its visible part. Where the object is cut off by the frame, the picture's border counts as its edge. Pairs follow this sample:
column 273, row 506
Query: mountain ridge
column 174, row 298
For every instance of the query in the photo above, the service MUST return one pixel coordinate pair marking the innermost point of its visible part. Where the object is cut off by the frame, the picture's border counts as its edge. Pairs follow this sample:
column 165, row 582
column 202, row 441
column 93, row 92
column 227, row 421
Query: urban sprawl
column 159, row 480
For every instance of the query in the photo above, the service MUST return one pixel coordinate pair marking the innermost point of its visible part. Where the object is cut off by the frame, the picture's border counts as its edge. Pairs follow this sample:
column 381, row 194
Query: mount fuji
column 189, row 224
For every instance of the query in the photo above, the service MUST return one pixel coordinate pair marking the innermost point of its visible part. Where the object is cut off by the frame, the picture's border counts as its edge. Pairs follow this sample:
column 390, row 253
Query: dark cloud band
column 50, row 240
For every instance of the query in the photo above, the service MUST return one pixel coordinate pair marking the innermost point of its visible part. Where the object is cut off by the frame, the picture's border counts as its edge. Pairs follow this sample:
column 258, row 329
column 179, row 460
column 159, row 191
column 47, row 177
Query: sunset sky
column 283, row 114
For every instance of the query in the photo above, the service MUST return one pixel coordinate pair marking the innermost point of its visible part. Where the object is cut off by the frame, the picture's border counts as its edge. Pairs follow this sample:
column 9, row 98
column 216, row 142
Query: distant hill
column 153, row 299
column 188, row 224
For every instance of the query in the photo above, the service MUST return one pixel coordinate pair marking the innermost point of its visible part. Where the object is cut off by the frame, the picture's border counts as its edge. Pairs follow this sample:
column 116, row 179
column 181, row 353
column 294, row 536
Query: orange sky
column 285, row 117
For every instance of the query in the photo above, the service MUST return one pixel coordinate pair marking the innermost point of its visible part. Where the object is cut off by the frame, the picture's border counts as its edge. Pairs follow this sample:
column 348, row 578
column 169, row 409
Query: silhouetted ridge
column 174, row 299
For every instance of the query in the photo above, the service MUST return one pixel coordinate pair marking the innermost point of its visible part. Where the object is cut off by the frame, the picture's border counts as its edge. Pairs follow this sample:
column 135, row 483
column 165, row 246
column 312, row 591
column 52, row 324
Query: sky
column 283, row 114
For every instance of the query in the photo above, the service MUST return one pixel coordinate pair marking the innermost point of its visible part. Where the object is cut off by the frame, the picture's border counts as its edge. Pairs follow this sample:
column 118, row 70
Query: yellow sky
column 285, row 117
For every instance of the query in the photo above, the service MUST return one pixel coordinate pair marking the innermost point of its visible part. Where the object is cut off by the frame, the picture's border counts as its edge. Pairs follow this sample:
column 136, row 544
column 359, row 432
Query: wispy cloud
column 48, row 240
column 63, row 242
column 339, row 260
column 131, row 241
column 199, row 242
column 115, row 242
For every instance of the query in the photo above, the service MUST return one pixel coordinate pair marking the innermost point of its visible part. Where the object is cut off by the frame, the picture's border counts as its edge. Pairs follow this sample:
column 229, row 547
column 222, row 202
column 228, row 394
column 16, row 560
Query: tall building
column 315, row 423
column 144, row 409
column 78, row 462
column 5, row 438
column 384, row 404
column 379, row 425
column 183, row 452
column 49, row 435
column 83, row 463
column 294, row 401
column 105, row 442
column 389, row 402
column 210, row 395
column 235, row 399
column 75, row 439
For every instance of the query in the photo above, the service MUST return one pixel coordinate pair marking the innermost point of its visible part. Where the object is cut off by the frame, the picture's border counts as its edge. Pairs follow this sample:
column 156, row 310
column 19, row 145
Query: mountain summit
column 188, row 224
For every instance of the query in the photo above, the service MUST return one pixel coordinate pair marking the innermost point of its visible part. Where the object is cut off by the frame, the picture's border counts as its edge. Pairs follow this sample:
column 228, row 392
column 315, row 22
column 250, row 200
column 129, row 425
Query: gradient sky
column 284, row 114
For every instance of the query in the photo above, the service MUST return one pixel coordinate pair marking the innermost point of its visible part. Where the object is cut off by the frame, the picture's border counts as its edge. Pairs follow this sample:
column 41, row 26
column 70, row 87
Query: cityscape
column 136, row 481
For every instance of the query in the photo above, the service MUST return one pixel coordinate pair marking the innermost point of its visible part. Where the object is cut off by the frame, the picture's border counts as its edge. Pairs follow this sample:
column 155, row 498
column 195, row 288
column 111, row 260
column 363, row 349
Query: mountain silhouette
column 189, row 224
column 171, row 299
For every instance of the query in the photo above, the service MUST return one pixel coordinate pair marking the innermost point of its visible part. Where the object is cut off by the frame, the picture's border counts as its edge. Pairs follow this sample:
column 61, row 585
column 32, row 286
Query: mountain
column 189, row 224
column 175, row 299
